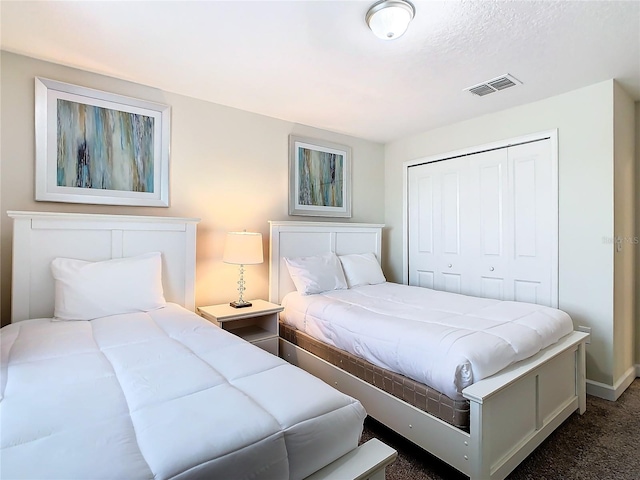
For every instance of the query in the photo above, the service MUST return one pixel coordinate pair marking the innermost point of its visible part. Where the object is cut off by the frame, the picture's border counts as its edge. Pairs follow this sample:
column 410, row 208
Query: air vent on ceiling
column 493, row 85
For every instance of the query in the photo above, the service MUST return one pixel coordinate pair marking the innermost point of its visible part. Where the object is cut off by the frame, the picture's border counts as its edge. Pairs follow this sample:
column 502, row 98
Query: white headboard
column 39, row 237
column 303, row 239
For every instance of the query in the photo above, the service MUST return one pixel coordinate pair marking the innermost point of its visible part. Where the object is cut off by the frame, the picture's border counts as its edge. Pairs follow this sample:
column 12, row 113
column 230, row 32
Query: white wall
column 228, row 167
column 624, row 227
column 584, row 119
column 637, row 235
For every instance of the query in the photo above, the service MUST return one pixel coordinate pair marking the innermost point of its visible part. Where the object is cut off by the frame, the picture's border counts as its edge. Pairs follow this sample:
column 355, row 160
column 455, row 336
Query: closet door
column 425, row 218
column 483, row 224
column 488, row 224
column 534, row 214
column 439, row 234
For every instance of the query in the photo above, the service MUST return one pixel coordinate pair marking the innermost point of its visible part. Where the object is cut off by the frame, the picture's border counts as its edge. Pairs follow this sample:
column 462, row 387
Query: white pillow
column 88, row 290
column 361, row 269
column 316, row 274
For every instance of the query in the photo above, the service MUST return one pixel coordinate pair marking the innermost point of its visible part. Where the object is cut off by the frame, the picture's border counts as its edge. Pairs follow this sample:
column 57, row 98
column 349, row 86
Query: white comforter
column 444, row 340
column 163, row 394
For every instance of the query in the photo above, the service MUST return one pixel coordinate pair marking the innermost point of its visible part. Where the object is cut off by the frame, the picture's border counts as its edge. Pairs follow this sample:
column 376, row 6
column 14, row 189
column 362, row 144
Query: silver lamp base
column 240, row 304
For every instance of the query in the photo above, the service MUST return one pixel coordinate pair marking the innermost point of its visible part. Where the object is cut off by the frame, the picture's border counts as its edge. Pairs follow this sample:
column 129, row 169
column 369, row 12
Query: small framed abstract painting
column 100, row 148
column 319, row 178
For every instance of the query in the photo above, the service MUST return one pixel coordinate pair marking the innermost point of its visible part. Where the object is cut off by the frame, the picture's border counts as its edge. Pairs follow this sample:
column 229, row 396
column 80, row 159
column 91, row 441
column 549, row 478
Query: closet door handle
column 450, row 265
column 491, row 269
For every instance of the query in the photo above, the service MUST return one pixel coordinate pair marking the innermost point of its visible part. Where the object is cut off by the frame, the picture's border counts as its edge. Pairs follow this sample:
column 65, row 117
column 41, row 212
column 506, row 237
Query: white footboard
column 511, row 412
column 515, row 410
column 367, row 462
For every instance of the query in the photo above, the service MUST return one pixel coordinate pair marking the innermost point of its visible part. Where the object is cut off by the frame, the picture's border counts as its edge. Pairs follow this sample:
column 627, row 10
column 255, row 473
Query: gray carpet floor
column 602, row 444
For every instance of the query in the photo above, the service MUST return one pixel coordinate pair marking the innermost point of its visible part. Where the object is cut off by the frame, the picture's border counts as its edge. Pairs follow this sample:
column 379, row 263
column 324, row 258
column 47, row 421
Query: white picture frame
column 96, row 147
column 319, row 178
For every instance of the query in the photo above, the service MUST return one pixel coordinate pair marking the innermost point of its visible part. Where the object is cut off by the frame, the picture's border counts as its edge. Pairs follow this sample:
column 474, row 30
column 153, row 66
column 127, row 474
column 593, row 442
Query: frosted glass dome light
column 389, row 19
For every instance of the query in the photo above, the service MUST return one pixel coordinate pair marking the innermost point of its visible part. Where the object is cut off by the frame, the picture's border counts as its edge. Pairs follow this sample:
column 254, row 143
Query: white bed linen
column 444, row 340
column 162, row 394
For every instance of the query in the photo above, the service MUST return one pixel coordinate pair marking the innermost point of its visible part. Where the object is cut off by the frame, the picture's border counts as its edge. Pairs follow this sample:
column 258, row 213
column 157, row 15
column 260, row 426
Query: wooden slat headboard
column 39, row 237
column 303, row 239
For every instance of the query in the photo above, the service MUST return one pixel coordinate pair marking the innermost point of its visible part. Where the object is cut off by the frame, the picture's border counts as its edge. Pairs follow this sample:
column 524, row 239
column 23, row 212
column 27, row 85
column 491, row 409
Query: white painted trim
column 405, row 224
column 552, row 135
column 600, row 390
column 612, row 393
column 555, row 217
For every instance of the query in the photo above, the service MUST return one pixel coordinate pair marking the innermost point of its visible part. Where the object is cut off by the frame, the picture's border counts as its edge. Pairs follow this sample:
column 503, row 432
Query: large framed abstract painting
column 319, row 178
column 100, row 148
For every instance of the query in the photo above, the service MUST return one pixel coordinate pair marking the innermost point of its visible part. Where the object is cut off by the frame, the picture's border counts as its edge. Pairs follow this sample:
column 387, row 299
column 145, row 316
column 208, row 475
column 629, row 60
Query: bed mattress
column 162, row 394
column 454, row 412
column 443, row 340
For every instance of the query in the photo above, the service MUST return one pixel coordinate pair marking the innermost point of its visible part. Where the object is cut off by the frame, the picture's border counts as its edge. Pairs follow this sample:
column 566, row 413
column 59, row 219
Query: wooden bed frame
column 39, row 237
column 511, row 412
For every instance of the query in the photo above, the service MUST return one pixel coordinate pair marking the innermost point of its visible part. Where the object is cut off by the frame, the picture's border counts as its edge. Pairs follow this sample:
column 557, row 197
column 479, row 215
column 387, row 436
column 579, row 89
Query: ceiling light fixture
column 389, row 19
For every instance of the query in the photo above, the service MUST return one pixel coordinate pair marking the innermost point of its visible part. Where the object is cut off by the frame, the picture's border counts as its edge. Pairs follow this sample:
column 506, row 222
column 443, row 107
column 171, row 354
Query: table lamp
column 242, row 248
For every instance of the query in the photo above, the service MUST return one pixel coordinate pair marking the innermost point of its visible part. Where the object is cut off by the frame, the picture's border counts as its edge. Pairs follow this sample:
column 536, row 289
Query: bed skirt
column 454, row 412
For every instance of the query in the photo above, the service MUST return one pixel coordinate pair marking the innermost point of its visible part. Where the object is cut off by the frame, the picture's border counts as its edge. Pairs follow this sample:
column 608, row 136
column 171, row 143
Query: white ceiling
column 317, row 63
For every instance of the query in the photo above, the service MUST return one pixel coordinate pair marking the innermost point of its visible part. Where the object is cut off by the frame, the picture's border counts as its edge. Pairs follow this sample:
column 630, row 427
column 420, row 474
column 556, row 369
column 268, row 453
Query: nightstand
column 257, row 324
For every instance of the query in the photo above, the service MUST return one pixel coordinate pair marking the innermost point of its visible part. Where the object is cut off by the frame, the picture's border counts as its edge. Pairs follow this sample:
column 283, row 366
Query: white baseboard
column 609, row 392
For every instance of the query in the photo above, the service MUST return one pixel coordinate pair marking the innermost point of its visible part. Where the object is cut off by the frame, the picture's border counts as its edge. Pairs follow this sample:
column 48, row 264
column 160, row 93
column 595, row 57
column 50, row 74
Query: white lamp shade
column 243, row 248
column 389, row 19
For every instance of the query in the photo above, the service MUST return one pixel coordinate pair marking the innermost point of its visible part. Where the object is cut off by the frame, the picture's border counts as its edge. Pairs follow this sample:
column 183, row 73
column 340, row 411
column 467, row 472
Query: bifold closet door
column 534, row 239
column 479, row 224
column 456, row 221
column 488, row 224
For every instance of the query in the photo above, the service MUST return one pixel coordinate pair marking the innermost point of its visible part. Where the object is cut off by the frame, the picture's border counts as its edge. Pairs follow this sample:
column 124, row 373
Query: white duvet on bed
column 444, row 340
column 162, row 394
